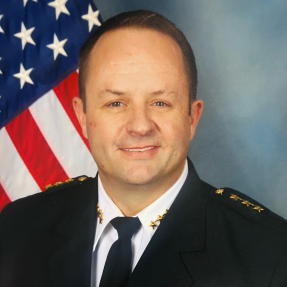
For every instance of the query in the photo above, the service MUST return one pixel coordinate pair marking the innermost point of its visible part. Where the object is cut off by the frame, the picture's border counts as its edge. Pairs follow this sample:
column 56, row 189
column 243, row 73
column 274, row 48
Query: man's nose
column 139, row 121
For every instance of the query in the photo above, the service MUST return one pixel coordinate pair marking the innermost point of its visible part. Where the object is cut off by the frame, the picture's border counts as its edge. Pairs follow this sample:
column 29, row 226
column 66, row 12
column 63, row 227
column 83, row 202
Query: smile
column 138, row 149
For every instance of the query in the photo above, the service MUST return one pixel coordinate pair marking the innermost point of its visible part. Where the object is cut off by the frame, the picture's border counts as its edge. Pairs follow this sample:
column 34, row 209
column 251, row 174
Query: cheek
column 92, row 124
column 175, row 129
column 101, row 131
column 92, row 130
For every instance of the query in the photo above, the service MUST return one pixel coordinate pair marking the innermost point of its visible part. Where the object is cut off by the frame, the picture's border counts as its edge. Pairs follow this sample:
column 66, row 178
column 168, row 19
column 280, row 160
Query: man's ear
column 81, row 115
column 196, row 111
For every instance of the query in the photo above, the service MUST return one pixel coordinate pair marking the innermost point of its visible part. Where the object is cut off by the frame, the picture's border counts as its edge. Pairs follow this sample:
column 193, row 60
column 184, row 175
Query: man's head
column 141, row 19
column 137, row 118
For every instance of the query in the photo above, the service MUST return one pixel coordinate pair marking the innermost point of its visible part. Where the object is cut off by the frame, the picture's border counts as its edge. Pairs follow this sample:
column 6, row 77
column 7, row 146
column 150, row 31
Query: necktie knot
column 126, row 226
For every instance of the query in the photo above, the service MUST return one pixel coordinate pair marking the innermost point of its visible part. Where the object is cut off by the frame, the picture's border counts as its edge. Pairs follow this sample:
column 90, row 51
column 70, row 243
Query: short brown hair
column 140, row 19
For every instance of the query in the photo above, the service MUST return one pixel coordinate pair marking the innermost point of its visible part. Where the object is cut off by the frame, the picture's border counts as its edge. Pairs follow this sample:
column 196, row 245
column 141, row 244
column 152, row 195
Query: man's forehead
column 129, row 43
column 136, row 51
column 126, row 77
column 140, row 67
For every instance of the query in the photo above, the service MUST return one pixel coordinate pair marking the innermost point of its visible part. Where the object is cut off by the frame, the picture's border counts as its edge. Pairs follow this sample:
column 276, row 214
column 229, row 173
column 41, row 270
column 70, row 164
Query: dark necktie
column 118, row 264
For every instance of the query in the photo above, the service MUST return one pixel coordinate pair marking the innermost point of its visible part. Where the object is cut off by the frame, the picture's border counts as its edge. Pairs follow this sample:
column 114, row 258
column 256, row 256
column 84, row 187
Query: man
column 146, row 219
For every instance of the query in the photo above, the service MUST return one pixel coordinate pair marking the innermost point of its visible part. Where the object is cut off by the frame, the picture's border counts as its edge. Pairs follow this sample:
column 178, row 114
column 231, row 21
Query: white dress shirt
column 106, row 234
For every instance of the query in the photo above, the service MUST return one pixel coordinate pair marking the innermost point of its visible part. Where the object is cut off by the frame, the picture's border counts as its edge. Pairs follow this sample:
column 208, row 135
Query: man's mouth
column 139, row 149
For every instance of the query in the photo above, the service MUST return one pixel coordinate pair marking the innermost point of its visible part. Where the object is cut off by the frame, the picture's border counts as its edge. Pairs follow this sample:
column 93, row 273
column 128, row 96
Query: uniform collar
column 150, row 213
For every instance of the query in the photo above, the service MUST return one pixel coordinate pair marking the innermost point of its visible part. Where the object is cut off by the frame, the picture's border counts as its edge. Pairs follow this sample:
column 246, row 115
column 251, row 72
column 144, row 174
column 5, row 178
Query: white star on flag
column 25, row 2
column 0, row 70
column 92, row 18
column 24, row 76
column 25, row 35
column 60, row 7
column 1, row 30
column 58, row 47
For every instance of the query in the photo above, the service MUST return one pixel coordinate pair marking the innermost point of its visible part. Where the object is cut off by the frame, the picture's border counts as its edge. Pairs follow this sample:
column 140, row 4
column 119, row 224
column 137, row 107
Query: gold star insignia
column 82, row 178
column 100, row 213
column 58, row 183
column 101, row 218
column 153, row 224
column 219, row 191
column 48, row 186
column 235, row 197
column 159, row 218
column 246, row 202
column 258, row 208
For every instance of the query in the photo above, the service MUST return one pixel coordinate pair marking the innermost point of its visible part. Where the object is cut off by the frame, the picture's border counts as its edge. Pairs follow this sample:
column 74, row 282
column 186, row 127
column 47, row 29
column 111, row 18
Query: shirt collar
column 150, row 213
column 108, row 209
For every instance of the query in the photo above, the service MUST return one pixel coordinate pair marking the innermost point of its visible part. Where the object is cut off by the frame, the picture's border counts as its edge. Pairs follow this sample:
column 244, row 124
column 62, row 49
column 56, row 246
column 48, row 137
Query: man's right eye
column 116, row 104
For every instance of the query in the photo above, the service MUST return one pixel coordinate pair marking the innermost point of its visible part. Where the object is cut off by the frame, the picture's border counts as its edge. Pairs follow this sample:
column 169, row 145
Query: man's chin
column 139, row 176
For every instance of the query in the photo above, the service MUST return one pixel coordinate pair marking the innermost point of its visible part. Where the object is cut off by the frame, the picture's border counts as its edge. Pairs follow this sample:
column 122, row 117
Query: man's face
column 136, row 118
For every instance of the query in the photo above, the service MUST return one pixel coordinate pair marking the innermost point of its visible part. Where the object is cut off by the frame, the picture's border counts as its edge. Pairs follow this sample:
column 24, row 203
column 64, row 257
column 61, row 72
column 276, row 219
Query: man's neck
column 131, row 198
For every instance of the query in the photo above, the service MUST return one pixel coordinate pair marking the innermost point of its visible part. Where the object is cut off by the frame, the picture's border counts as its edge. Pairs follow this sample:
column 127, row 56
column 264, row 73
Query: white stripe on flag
column 14, row 175
column 62, row 137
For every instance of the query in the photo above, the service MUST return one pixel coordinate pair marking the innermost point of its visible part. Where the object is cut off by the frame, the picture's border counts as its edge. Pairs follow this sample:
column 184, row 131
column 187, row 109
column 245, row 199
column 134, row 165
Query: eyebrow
column 119, row 93
column 158, row 93
column 114, row 92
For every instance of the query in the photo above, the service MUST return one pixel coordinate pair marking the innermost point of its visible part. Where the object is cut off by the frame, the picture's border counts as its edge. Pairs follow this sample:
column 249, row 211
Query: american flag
column 40, row 138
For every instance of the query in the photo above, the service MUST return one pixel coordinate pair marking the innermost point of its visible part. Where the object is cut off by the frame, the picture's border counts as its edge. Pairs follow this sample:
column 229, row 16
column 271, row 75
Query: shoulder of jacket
column 49, row 191
column 249, row 208
column 70, row 182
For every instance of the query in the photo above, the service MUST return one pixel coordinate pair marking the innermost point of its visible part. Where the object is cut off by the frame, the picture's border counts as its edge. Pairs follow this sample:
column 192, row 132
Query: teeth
column 138, row 149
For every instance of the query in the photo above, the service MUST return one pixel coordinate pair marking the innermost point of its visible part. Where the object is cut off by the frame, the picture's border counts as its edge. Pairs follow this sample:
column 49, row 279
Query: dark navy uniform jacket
column 210, row 237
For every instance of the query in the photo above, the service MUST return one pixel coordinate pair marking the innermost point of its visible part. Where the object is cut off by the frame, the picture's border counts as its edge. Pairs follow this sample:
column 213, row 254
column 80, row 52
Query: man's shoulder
column 53, row 195
column 235, row 204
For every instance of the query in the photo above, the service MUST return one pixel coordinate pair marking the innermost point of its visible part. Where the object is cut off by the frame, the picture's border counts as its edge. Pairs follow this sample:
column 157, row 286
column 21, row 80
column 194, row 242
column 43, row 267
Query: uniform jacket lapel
column 70, row 265
column 182, row 230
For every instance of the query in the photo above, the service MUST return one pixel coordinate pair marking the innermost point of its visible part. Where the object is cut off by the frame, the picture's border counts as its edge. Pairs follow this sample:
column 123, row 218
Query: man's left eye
column 160, row 104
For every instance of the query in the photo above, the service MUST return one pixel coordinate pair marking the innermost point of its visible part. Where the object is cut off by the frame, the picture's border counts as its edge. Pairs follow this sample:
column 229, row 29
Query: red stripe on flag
column 4, row 199
column 66, row 91
column 34, row 150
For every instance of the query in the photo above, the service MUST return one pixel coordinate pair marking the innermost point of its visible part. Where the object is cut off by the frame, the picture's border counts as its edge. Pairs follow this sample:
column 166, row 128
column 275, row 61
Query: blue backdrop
column 241, row 51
